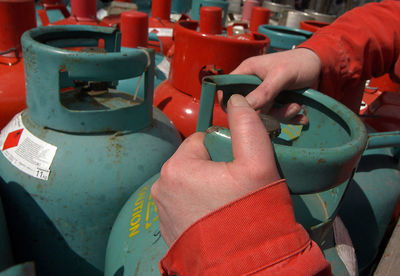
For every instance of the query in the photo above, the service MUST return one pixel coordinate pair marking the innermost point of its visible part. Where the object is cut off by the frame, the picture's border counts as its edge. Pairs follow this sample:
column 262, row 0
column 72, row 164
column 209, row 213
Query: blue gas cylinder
column 369, row 206
column 327, row 150
column 6, row 259
column 282, row 37
column 73, row 157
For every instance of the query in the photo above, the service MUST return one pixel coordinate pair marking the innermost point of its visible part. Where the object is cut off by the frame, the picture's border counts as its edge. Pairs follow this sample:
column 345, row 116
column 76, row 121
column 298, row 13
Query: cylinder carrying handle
column 46, row 59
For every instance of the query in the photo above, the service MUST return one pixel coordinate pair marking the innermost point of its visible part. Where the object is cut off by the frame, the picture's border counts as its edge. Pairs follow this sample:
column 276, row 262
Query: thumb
column 251, row 144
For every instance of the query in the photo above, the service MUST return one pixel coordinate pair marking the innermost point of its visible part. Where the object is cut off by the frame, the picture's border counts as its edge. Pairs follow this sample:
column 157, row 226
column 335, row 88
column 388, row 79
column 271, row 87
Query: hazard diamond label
column 25, row 151
column 12, row 139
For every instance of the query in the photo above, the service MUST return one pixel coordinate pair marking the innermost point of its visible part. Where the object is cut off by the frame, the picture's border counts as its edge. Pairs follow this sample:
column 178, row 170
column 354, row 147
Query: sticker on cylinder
column 25, row 151
column 162, row 32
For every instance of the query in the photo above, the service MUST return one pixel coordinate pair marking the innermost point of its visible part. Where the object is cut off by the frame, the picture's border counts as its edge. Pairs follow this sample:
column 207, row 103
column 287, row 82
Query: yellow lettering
column 136, row 212
column 134, row 231
column 138, row 207
column 133, row 221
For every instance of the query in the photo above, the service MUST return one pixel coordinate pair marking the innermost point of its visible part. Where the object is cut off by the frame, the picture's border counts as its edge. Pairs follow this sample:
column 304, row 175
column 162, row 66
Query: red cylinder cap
column 247, row 9
column 161, row 9
column 84, row 10
column 134, row 29
column 16, row 17
column 211, row 20
column 259, row 16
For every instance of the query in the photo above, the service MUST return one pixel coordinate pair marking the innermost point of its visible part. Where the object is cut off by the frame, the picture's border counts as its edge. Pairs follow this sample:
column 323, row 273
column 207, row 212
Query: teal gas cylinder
column 282, row 37
column 326, row 151
column 197, row 4
column 137, row 84
column 181, row 6
column 6, row 259
column 370, row 203
column 7, row 265
column 24, row 269
column 72, row 159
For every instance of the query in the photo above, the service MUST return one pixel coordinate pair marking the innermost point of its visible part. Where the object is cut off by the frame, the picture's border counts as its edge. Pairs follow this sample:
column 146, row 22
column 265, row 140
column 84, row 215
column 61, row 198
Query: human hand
column 294, row 69
column 191, row 185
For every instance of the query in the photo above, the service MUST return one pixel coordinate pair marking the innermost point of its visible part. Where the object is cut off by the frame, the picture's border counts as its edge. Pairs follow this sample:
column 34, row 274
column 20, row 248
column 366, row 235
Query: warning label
column 162, row 32
column 25, row 151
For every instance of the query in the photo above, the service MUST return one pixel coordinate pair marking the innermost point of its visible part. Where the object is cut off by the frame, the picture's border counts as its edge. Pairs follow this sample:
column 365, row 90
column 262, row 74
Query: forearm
column 363, row 43
column 256, row 233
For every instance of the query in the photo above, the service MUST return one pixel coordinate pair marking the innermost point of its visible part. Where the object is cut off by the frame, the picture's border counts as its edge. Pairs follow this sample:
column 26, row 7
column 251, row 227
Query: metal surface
column 370, row 203
column 334, row 136
column 259, row 16
column 134, row 34
column 107, row 146
column 178, row 97
column 197, row 4
column 181, row 6
column 15, row 18
column 25, row 269
column 135, row 244
column 50, row 12
column 322, row 17
column 382, row 111
column 161, row 25
column 292, row 18
column 283, row 38
column 50, row 108
column 82, row 13
column 6, row 259
column 12, row 85
column 247, row 10
column 277, row 10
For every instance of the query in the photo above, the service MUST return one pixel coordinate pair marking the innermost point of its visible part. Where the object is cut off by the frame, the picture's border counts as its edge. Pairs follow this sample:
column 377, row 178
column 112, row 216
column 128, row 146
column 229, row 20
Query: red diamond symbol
column 12, row 139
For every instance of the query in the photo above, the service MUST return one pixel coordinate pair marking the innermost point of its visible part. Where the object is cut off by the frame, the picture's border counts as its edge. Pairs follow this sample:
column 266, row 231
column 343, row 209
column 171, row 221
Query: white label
column 166, row 32
column 164, row 67
column 25, row 151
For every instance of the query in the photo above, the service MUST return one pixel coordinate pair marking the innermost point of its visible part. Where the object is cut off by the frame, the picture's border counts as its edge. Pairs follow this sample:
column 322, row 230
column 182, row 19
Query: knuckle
column 167, row 170
column 258, row 174
column 154, row 191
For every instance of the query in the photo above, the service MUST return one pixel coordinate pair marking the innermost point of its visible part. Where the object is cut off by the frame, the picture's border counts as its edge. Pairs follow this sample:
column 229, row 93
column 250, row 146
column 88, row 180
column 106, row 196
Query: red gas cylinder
column 198, row 53
column 380, row 106
column 248, row 6
column 312, row 25
column 134, row 29
column 83, row 12
column 15, row 18
column 259, row 16
column 161, row 25
column 48, row 5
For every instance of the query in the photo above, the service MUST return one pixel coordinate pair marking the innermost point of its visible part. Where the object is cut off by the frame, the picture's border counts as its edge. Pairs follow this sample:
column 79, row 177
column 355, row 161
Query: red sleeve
column 363, row 43
column 254, row 234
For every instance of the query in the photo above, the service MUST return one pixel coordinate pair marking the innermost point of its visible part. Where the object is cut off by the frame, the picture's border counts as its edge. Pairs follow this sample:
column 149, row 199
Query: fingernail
column 238, row 100
column 293, row 110
column 251, row 100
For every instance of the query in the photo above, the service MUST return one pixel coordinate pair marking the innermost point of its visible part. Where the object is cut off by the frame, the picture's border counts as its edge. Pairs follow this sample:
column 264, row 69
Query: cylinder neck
column 134, row 29
column 161, row 9
column 259, row 16
column 84, row 10
column 211, row 20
